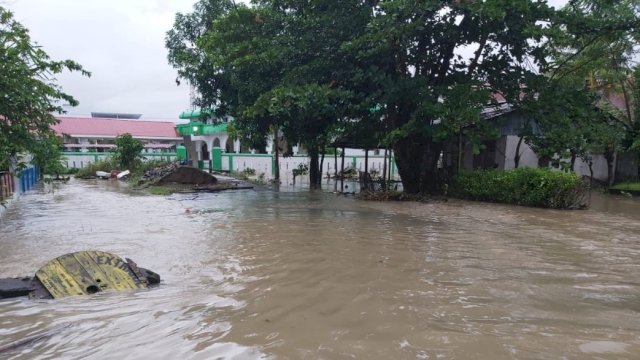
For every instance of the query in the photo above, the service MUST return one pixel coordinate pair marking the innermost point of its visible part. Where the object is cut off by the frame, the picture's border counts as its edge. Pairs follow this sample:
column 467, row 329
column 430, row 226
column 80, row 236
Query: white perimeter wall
column 529, row 159
column 262, row 164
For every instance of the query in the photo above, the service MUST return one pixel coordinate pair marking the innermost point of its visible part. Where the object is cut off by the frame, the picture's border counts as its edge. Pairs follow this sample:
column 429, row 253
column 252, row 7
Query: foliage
column 275, row 66
column 523, row 186
column 396, row 73
column 105, row 165
column 246, row 174
column 249, row 171
column 47, row 155
column 596, row 41
column 431, row 92
column 249, row 174
column 28, row 92
column 566, row 124
column 302, row 169
column 349, row 173
column 111, row 163
column 128, row 151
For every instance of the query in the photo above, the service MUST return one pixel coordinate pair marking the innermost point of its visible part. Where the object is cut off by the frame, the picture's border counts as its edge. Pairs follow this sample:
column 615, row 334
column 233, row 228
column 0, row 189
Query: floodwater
column 299, row 275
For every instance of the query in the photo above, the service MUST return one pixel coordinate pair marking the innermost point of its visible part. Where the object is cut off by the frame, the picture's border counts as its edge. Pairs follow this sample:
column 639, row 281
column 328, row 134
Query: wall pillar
column 216, row 158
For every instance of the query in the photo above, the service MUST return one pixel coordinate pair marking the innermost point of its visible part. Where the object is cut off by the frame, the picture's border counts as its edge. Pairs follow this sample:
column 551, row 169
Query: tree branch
column 474, row 63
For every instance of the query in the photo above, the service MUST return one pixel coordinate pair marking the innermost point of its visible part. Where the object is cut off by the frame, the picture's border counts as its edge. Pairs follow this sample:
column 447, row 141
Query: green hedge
column 523, row 186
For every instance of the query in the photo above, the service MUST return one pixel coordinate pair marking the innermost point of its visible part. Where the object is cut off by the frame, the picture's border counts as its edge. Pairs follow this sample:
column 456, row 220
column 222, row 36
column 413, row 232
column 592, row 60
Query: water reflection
column 297, row 275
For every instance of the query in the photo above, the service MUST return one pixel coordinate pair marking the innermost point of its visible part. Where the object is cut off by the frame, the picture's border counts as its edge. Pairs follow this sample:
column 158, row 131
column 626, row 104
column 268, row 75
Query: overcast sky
column 121, row 42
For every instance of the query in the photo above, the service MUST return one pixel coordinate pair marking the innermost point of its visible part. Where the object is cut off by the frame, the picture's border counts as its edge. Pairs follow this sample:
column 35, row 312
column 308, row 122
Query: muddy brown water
column 298, row 275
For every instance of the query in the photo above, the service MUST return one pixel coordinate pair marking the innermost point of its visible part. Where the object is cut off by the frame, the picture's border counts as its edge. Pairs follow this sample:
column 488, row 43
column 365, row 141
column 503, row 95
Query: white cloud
column 120, row 41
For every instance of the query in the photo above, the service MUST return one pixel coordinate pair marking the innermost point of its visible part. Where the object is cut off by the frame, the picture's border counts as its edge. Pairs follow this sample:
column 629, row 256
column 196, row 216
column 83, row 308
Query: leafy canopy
column 316, row 69
column 128, row 151
column 28, row 93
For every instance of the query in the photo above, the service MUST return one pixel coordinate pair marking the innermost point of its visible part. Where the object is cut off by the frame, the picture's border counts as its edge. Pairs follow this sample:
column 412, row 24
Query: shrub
column 302, row 169
column 245, row 174
column 89, row 171
column 249, row 172
column 128, row 151
column 523, row 186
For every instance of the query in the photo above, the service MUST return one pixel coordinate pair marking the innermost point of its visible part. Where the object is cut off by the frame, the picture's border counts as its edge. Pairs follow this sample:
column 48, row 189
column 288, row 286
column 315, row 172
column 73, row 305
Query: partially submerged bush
column 524, row 186
column 89, row 171
column 112, row 163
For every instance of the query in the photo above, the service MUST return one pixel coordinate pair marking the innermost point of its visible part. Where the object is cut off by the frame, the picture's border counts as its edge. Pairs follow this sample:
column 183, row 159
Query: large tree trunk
column 342, row 171
column 276, row 164
column 314, row 170
column 389, row 169
column 366, row 161
column 431, row 182
column 321, row 171
column 417, row 162
column 335, row 168
column 409, row 160
column 384, row 171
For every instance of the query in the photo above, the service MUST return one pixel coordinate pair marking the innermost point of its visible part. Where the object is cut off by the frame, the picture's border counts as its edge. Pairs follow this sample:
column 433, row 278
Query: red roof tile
column 102, row 127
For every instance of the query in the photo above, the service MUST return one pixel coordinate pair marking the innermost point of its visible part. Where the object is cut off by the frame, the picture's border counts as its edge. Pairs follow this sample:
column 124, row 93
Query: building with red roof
column 85, row 133
column 86, row 139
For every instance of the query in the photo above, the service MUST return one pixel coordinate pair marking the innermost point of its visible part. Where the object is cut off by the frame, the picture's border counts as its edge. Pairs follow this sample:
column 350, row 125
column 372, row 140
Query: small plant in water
column 302, row 169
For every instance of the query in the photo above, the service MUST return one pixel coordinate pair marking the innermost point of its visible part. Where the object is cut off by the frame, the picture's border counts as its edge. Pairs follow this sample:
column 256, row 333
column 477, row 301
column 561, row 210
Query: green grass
column 634, row 186
column 159, row 190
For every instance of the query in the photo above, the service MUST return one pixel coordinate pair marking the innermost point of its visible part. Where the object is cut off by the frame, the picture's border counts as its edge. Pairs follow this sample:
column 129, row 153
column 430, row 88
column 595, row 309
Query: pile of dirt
column 187, row 175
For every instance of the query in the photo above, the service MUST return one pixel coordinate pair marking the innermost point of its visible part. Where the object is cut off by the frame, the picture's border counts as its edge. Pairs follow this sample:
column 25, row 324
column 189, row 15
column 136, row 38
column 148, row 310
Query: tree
column 315, row 69
column 286, row 49
column 306, row 113
column 594, row 41
column 128, row 150
column 564, row 124
column 28, row 93
column 46, row 154
column 213, row 48
column 430, row 89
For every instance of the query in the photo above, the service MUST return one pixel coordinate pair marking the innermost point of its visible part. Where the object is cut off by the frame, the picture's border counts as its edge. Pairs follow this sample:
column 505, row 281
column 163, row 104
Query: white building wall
column 375, row 164
column 600, row 168
column 527, row 157
column 241, row 162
